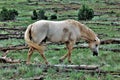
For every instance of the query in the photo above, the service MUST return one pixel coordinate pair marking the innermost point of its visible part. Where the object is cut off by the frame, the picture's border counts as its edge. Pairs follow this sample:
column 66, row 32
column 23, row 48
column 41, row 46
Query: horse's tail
column 27, row 36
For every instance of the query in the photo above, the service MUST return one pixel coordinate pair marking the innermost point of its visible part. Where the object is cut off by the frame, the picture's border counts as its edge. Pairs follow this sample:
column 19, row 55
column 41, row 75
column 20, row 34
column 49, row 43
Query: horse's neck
column 87, row 34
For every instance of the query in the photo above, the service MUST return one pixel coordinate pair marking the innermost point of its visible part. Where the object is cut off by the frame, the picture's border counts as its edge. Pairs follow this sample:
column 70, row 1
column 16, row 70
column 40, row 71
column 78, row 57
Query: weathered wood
column 15, row 32
column 12, row 35
column 17, row 47
column 110, row 49
column 65, row 68
column 77, row 67
column 5, row 53
column 110, row 41
column 8, row 60
column 14, row 28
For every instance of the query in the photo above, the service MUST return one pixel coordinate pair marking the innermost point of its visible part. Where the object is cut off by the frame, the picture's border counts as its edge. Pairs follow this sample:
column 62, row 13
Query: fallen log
column 17, row 47
column 91, row 69
column 13, row 35
column 14, row 28
column 110, row 41
column 108, row 49
column 8, row 60
column 77, row 67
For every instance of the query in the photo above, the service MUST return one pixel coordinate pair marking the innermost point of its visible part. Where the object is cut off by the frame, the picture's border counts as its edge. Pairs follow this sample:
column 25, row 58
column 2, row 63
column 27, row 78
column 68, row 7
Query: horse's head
column 94, row 46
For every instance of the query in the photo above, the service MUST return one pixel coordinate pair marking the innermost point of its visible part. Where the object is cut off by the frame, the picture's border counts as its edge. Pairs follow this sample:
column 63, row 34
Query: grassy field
column 109, row 28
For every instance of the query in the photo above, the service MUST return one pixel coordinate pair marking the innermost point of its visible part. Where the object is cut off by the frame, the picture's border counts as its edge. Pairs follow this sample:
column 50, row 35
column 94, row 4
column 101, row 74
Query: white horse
column 67, row 31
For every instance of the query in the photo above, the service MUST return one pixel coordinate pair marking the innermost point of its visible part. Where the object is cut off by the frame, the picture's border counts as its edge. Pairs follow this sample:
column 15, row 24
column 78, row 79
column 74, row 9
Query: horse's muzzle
column 95, row 53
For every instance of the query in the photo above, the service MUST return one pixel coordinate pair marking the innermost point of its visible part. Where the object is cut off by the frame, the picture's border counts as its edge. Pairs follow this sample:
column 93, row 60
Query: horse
column 66, row 31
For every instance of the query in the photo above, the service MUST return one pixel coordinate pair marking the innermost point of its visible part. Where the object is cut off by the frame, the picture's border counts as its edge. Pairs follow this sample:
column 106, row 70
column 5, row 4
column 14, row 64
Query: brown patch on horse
column 65, row 34
column 65, row 30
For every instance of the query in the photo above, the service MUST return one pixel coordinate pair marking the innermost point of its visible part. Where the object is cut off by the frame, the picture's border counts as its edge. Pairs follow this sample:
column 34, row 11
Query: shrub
column 34, row 16
column 38, row 15
column 12, row 14
column 41, row 14
column 29, row 1
column 54, row 16
column 6, row 14
column 85, row 13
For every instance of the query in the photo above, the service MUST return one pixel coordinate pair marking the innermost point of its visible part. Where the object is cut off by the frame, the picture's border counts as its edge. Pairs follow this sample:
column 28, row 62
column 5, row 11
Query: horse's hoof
column 70, row 62
column 60, row 60
column 47, row 63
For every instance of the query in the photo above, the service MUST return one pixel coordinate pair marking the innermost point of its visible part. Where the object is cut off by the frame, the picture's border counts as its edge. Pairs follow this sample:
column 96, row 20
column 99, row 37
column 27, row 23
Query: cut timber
column 13, row 28
column 17, row 47
column 110, row 41
column 8, row 60
column 78, row 67
column 10, row 36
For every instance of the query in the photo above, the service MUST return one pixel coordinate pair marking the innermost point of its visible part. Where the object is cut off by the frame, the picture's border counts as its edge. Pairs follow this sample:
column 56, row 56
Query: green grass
column 79, row 57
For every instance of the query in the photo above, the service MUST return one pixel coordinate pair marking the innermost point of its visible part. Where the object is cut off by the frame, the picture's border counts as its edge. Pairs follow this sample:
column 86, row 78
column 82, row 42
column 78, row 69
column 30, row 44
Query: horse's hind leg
column 41, row 51
column 30, row 52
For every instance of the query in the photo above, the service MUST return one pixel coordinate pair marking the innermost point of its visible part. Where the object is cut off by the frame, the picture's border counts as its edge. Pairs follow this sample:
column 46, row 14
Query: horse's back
column 55, row 31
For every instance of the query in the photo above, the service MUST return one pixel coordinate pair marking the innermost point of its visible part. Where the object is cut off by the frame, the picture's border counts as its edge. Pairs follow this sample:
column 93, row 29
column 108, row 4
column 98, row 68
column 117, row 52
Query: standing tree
column 85, row 13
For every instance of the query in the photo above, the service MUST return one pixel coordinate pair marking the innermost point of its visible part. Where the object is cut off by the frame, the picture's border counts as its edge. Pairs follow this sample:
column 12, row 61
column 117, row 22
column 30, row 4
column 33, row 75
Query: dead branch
column 108, row 49
column 8, row 60
column 77, row 67
column 5, row 54
column 10, row 37
column 17, row 47
column 14, row 28
column 13, row 35
column 110, row 41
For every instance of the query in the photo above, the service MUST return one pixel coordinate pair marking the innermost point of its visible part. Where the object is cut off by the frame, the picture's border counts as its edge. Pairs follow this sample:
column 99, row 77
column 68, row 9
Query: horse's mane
column 85, row 31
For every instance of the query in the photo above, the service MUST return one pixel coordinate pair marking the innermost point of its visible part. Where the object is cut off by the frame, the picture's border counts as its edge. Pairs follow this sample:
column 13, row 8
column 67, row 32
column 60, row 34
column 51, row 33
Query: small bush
column 54, row 16
column 85, row 13
column 41, row 14
column 34, row 16
column 6, row 14
column 29, row 1
column 38, row 15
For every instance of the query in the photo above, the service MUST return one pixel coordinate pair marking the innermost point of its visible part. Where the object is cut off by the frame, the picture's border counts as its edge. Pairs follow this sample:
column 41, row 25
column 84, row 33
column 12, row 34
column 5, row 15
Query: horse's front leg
column 69, row 46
